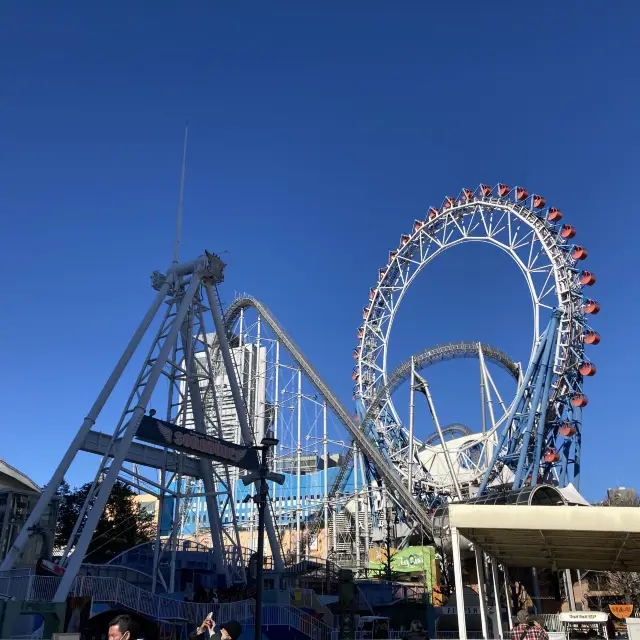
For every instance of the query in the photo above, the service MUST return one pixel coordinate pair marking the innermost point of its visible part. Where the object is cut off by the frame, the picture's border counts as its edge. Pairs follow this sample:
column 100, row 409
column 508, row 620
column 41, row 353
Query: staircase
column 118, row 592
column 308, row 599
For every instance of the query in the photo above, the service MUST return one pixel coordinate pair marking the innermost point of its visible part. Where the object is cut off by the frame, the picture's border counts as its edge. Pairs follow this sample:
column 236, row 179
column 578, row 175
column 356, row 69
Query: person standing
column 528, row 628
column 122, row 628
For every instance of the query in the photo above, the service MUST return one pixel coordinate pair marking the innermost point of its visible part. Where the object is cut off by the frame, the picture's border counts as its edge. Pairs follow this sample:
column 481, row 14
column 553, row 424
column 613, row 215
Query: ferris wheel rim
column 372, row 364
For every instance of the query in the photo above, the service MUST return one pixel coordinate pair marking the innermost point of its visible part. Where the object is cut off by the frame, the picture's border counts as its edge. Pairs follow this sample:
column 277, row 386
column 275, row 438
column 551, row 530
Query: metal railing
column 43, row 589
column 291, row 617
column 308, row 599
column 117, row 591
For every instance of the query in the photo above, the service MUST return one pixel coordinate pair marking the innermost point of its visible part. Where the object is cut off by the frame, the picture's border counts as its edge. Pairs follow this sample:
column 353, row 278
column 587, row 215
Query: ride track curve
column 394, row 483
column 421, row 360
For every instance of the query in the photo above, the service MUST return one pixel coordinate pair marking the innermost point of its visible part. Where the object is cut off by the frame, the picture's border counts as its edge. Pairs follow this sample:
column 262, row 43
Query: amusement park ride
column 533, row 439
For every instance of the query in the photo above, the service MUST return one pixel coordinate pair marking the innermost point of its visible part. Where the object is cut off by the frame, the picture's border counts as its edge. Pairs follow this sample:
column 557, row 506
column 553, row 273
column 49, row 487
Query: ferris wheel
column 538, row 436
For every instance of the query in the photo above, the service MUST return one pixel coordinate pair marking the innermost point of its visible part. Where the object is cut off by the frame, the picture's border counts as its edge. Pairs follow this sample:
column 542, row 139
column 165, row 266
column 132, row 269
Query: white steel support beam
column 156, row 547
column 176, row 525
column 299, row 467
column 276, row 415
column 411, row 426
column 481, row 591
column 445, row 450
column 325, row 455
column 570, row 596
column 366, row 503
column 507, row 596
column 356, row 508
column 457, row 574
column 495, row 577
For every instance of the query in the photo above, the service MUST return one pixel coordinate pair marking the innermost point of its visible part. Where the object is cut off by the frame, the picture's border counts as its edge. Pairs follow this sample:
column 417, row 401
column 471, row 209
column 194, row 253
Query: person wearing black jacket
column 207, row 630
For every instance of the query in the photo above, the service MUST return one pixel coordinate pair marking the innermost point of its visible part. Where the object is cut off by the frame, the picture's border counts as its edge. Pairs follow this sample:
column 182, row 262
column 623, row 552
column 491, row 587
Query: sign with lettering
column 621, row 611
column 470, row 611
column 189, row 441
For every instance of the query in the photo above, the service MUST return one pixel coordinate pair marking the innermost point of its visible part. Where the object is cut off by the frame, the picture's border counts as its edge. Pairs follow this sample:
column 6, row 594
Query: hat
column 233, row 628
column 522, row 616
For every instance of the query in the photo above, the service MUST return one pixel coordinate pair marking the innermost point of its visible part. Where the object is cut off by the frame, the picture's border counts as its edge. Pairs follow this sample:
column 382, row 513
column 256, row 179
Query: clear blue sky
column 318, row 132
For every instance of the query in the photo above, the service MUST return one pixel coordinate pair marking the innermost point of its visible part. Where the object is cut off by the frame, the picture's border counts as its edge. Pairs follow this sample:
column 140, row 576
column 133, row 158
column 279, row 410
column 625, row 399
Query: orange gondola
column 449, row 202
column 551, row 455
column 467, row 194
column 404, row 240
column 392, row 255
column 567, row 429
column 587, row 278
column 579, row 253
column 587, row 368
column 592, row 307
column 417, row 225
column 591, row 337
column 433, row 212
column 568, row 231
column 521, row 194
column 579, row 400
column 503, row 190
column 538, row 202
column 485, row 190
column 554, row 214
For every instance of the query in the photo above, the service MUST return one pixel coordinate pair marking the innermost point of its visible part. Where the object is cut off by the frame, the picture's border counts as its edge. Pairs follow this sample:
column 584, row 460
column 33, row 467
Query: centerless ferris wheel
column 534, row 438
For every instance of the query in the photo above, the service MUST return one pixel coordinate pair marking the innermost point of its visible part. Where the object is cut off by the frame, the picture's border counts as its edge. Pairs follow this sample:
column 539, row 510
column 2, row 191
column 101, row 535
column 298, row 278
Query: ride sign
column 189, row 441
column 621, row 611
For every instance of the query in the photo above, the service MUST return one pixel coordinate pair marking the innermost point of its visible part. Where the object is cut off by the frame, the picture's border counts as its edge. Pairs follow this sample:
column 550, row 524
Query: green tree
column 123, row 524
column 624, row 584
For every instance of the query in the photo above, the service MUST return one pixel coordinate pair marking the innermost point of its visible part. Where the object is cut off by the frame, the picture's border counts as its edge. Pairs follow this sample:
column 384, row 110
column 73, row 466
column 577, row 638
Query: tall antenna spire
column 176, row 246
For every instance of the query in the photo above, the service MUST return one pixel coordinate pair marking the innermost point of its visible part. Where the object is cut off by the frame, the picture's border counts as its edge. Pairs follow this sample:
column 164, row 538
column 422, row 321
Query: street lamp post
column 260, row 479
column 262, row 504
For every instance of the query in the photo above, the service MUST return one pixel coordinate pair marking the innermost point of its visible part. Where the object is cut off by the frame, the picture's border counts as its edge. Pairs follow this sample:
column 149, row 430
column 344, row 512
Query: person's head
column 522, row 616
column 230, row 630
column 121, row 628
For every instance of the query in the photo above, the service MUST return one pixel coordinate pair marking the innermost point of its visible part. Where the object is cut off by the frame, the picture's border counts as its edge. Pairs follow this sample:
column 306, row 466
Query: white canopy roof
column 560, row 537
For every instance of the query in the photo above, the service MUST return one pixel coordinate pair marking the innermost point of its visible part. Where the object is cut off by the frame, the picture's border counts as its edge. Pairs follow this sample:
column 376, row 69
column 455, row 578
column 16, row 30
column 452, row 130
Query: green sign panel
column 411, row 560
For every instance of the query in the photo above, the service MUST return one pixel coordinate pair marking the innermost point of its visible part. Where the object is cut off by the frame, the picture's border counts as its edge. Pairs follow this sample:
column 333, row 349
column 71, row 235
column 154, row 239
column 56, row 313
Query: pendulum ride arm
column 205, row 465
column 241, row 410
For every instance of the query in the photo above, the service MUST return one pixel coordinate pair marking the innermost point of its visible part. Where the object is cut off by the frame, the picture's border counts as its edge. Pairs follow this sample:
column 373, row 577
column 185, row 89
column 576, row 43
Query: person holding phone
column 207, row 630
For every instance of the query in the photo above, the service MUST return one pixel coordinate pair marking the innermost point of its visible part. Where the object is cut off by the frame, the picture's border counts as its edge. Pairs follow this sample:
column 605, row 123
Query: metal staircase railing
column 308, row 599
column 117, row 591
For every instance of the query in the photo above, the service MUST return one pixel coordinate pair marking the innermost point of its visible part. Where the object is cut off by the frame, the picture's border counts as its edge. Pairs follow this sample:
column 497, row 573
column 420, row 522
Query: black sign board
column 189, row 441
